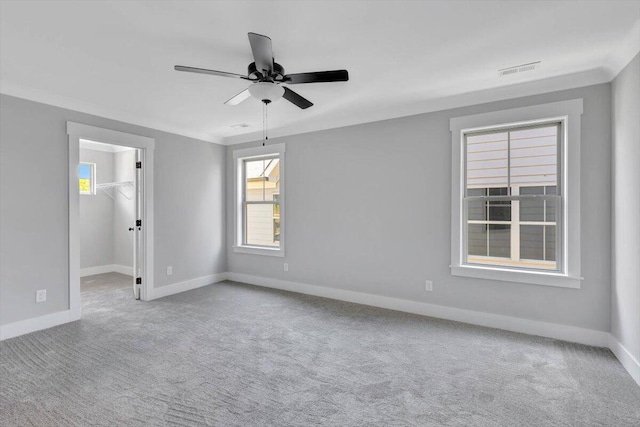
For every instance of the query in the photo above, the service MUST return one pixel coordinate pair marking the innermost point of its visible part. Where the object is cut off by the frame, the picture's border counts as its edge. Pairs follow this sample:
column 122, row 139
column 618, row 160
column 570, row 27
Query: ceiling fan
column 268, row 76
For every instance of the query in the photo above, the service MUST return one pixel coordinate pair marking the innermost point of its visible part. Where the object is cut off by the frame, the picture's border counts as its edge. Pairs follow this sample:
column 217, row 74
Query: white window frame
column 568, row 113
column 239, row 156
column 92, row 190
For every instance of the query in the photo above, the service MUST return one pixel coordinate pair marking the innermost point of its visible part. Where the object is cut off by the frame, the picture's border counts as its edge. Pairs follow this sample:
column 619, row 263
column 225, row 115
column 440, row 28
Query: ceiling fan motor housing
column 276, row 75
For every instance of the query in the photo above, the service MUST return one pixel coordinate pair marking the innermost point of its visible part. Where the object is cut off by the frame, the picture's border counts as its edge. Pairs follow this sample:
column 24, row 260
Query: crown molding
column 625, row 51
column 56, row 100
column 537, row 87
column 617, row 61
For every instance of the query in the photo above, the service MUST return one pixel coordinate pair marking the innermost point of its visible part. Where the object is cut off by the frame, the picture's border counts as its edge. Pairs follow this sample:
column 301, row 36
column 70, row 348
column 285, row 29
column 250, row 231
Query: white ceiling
column 115, row 58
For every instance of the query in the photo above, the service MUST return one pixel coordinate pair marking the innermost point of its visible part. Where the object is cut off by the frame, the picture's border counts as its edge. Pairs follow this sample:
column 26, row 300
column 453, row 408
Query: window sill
column 257, row 250
column 518, row 276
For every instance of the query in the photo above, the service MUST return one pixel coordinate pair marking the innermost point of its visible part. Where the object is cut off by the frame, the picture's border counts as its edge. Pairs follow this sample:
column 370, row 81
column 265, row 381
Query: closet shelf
column 115, row 186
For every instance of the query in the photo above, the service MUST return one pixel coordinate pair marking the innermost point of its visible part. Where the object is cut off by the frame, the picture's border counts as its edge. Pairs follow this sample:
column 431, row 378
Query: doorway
column 131, row 187
column 109, row 209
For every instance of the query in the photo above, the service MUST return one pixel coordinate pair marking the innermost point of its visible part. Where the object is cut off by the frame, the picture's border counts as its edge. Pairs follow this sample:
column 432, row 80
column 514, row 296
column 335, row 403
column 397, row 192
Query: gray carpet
column 237, row 355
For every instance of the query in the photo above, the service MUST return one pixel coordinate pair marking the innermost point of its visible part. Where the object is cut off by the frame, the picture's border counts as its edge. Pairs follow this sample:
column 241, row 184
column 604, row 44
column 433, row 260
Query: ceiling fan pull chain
column 264, row 123
column 265, row 118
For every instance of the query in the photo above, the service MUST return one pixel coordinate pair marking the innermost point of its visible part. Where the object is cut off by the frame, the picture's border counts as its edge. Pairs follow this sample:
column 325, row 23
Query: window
column 259, row 200
column 512, row 196
column 516, row 196
column 87, row 178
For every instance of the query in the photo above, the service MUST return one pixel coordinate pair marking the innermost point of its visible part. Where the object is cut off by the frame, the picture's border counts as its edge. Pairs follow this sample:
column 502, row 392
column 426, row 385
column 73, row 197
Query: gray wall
column 123, row 208
column 96, row 214
column 625, row 292
column 188, row 208
column 368, row 210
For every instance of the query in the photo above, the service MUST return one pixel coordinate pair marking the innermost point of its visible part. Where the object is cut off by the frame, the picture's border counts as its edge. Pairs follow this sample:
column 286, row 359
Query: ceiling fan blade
column 242, row 96
column 296, row 99
column 317, row 77
column 212, row 72
column 262, row 52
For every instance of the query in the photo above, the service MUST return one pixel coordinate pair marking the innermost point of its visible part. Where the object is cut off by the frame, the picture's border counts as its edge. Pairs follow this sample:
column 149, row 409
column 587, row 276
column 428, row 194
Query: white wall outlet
column 41, row 295
column 169, row 270
column 286, row 266
column 428, row 285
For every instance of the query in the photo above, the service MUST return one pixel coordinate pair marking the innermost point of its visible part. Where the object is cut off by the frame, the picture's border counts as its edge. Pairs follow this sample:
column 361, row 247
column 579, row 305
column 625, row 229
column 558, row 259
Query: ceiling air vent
column 240, row 125
column 519, row 69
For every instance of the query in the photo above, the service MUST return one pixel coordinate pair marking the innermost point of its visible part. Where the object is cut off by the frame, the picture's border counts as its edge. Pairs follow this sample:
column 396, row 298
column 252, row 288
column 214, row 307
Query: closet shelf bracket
column 119, row 186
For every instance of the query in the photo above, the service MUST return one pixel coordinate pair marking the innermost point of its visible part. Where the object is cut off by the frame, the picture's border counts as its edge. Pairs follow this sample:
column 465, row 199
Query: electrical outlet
column 428, row 285
column 41, row 295
column 169, row 270
column 286, row 266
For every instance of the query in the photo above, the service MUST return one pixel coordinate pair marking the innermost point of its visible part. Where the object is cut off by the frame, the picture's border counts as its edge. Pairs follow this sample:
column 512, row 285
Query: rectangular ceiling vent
column 519, row 69
column 240, row 125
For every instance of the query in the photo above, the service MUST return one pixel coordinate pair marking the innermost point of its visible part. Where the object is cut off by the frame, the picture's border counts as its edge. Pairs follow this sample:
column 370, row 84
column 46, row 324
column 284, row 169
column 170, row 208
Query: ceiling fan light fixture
column 265, row 91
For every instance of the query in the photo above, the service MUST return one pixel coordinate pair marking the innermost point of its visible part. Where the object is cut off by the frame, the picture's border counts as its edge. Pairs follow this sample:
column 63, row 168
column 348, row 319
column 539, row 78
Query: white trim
column 490, row 320
column 74, row 224
column 630, row 363
column 187, row 285
column 26, row 326
column 108, row 136
column 448, row 102
column 569, row 112
column 109, row 268
column 123, row 269
column 77, row 131
column 515, row 324
column 99, row 269
column 246, row 153
column 526, row 326
column 256, row 250
column 238, row 157
column 97, row 146
column 518, row 276
column 120, row 114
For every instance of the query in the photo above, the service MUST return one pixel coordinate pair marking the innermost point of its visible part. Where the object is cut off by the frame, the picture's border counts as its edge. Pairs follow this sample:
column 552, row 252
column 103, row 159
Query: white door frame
column 77, row 131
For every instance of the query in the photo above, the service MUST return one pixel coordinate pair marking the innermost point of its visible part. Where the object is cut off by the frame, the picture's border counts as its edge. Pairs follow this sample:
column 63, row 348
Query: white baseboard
column 26, row 326
column 498, row 321
column 630, row 363
column 526, row 326
column 187, row 285
column 100, row 269
column 50, row 320
column 123, row 269
column 110, row 268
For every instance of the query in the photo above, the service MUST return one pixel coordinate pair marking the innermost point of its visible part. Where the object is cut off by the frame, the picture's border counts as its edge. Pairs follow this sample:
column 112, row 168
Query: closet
column 107, row 208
